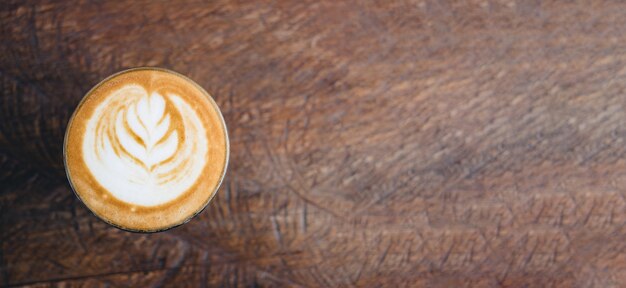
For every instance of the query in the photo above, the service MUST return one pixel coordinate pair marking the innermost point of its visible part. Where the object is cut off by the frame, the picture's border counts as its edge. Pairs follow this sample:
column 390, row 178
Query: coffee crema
column 146, row 149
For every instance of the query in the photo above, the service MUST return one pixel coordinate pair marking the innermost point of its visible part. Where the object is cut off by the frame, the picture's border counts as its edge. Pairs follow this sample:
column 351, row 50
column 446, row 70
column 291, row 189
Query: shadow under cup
column 146, row 149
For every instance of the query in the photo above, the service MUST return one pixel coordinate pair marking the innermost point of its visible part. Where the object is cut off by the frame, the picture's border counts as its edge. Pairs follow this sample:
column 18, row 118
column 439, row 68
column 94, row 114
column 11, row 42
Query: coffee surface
column 146, row 149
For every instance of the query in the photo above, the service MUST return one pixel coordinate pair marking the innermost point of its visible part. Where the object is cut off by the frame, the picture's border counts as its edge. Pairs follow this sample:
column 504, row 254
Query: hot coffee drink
column 146, row 149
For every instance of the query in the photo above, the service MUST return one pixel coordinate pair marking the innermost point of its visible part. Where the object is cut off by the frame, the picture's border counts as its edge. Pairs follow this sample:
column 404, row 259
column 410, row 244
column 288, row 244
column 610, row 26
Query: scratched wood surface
column 374, row 143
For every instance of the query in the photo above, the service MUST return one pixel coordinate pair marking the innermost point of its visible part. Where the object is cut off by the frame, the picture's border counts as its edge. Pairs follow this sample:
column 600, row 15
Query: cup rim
column 226, row 138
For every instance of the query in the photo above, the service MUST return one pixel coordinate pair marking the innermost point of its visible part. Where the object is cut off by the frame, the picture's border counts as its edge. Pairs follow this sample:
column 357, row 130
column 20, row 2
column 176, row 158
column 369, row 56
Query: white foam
column 133, row 150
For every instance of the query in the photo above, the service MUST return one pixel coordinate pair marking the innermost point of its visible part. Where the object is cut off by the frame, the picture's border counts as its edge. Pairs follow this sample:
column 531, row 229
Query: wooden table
column 374, row 143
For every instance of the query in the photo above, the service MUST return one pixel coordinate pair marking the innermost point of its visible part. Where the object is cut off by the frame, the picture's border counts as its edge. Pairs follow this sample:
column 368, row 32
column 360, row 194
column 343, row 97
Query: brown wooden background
column 374, row 143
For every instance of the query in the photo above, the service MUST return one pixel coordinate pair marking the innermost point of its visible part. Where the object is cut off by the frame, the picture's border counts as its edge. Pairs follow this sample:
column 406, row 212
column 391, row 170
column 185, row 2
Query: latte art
column 134, row 151
column 146, row 149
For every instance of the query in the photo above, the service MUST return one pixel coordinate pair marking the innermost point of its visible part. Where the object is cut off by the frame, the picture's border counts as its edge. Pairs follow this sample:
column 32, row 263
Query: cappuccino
column 146, row 149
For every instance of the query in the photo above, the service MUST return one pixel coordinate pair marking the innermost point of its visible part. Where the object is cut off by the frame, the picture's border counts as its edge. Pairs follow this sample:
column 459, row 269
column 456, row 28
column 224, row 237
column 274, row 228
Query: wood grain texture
column 373, row 143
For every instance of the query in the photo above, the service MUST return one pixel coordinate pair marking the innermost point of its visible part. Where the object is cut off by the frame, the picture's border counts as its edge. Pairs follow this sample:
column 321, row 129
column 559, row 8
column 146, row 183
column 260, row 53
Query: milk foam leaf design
column 132, row 145
column 150, row 124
